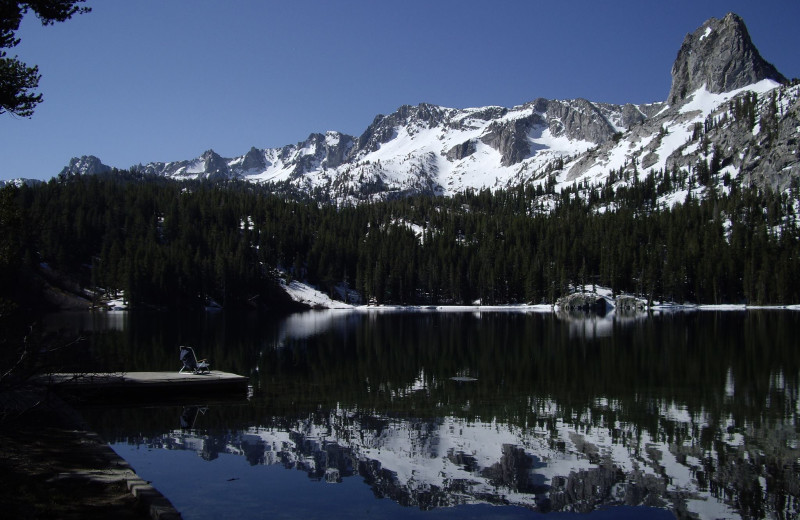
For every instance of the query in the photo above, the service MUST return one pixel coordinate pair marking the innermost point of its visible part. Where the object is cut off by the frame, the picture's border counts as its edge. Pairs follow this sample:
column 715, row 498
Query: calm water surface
column 466, row 415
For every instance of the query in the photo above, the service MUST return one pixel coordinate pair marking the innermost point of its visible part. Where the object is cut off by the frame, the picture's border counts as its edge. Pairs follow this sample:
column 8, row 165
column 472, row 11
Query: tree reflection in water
column 694, row 412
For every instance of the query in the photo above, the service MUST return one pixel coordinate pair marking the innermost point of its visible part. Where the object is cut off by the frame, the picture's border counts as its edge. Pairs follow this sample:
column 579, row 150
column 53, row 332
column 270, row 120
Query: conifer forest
column 171, row 244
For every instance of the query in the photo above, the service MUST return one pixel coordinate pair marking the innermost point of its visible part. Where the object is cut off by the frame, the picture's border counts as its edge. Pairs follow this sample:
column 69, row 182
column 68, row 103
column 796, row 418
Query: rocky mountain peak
column 85, row 165
column 254, row 160
column 215, row 167
column 721, row 56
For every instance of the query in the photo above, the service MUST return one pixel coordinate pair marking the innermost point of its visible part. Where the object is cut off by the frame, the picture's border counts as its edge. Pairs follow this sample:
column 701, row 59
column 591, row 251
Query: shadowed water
column 399, row 415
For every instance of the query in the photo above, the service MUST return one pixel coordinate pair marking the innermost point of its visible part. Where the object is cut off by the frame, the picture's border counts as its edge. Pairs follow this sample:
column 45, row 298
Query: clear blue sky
column 134, row 82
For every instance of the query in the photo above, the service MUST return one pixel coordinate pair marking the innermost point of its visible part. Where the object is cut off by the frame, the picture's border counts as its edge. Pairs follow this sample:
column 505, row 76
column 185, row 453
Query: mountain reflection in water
column 693, row 413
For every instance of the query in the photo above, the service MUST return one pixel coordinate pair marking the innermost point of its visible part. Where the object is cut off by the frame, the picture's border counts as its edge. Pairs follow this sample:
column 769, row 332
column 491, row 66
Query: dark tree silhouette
column 18, row 81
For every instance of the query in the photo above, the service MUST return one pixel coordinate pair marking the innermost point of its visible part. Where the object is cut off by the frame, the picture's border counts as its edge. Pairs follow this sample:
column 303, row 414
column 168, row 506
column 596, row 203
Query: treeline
column 179, row 244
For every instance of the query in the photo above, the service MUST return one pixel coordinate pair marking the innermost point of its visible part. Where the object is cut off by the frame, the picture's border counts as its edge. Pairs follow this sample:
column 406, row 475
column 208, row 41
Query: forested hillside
column 164, row 243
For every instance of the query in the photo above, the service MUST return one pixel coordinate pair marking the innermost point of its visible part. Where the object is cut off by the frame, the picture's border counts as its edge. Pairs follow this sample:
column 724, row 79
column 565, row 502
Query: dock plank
column 106, row 378
column 134, row 384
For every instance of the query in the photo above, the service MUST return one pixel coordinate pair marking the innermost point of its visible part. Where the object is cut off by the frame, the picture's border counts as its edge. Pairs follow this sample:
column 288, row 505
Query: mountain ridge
column 439, row 150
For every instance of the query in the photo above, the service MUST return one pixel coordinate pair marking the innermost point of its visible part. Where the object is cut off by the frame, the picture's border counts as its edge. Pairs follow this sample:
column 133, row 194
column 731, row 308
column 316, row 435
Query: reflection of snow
column 307, row 324
column 729, row 383
column 570, row 462
column 311, row 323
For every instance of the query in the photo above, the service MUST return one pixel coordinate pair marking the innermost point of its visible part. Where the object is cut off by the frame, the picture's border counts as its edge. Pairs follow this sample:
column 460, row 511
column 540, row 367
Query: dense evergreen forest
column 181, row 244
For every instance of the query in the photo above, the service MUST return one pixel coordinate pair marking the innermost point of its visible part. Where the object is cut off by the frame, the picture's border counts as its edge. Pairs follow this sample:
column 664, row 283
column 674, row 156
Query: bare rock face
column 462, row 150
column 579, row 119
column 329, row 151
column 85, row 165
column 721, row 56
column 510, row 138
column 254, row 160
column 215, row 167
column 576, row 119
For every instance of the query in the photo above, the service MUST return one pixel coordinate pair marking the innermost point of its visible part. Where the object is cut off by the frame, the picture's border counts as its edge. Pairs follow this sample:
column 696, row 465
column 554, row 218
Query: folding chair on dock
column 190, row 362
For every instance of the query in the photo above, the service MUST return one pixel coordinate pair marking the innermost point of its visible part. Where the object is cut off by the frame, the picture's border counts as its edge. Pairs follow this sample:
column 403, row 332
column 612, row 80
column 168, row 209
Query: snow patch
column 706, row 102
column 312, row 297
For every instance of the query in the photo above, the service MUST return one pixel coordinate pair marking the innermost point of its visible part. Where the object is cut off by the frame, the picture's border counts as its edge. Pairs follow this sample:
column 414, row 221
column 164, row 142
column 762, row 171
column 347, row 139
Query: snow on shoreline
column 316, row 299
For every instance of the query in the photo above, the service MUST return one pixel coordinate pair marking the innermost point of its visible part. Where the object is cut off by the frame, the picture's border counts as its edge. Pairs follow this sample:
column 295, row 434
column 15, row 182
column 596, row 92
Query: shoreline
column 511, row 307
column 53, row 466
column 547, row 308
column 315, row 299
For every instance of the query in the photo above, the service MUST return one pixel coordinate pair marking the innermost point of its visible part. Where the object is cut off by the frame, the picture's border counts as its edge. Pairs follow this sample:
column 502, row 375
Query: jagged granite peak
column 717, row 69
column 85, row 165
column 721, row 56
column 210, row 165
column 331, row 148
column 424, row 112
column 319, row 152
column 254, row 160
column 214, row 166
column 383, row 128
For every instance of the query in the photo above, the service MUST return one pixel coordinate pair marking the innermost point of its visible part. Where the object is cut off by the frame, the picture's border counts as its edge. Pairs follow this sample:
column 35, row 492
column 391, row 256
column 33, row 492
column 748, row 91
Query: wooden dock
column 167, row 386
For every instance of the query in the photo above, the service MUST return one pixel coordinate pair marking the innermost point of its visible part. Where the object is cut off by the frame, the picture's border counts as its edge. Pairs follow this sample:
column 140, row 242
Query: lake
column 466, row 414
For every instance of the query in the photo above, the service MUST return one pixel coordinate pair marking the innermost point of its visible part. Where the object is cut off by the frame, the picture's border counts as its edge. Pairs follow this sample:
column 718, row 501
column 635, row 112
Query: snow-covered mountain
column 438, row 150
